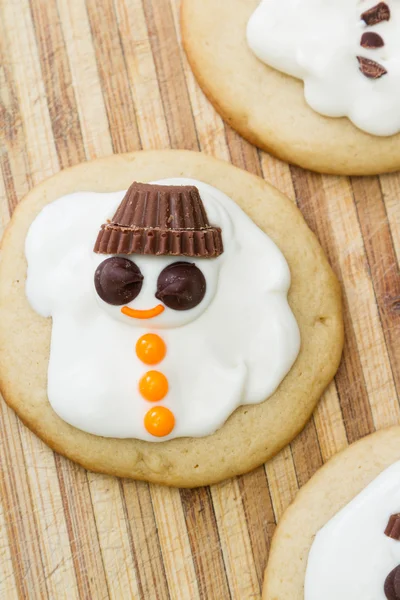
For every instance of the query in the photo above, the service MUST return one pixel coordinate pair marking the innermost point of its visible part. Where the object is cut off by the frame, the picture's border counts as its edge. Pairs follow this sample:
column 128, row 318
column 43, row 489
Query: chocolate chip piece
column 181, row 286
column 118, row 280
column 393, row 527
column 376, row 14
column 370, row 68
column 388, row 587
column 370, row 39
column 392, row 585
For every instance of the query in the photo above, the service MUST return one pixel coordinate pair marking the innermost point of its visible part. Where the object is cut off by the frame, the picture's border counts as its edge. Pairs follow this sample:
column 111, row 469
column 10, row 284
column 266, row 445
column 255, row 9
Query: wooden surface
column 82, row 79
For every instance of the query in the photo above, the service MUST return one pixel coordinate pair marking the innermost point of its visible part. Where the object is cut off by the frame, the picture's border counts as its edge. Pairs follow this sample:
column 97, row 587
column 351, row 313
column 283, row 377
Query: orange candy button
column 159, row 421
column 151, row 349
column 153, row 386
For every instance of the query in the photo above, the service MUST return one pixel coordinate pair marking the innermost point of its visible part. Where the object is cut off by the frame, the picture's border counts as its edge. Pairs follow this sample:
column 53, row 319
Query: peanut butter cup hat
column 160, row 220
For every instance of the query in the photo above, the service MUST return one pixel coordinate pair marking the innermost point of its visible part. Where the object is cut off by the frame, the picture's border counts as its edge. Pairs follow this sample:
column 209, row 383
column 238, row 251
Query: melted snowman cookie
column 210, row 329
column 169, row 309
column 353, row 554
column 341, row 536
column 302, row 60
column 347, row 52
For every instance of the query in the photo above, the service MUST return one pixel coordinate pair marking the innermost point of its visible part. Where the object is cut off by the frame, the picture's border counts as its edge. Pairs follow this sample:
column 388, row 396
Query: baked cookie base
column 327, row 492
column 253, row 434
column 267, row 107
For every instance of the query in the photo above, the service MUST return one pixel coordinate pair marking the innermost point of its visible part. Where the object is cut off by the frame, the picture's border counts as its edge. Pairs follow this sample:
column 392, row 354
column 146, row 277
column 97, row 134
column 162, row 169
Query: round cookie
column 253, row 433
column 267, row 107
column 331, row 489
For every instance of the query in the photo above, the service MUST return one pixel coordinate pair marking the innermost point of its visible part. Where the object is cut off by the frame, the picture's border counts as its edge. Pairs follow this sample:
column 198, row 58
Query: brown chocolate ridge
column 370, row 68
column 393, row 527
column 378, row 13
column 160, row 220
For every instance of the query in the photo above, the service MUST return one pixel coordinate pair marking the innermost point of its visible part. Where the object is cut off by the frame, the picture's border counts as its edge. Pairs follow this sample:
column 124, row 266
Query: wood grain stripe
column 209, row 125
column 282, row 481
column 174, row 93
column 306, row 453
column 314, row 203
column 111, row 526
column 385, row 278
column 259, row 516
column 51, row 526
column 82, row 532
column 152, row 581
column 328, row 419
column 30, row 91
column 4, row 209
column 390, row 185
column 235, row 540
column 58, row 82
column 113, row 76
column 8, row 182
column 18, row 511
column 85, row 78
column 8, row 586
column 142, row 75
column 242, row 154
column 363, row 312
column 277, row 173
column 13, row 160
column 174, row 543
column 205, row 544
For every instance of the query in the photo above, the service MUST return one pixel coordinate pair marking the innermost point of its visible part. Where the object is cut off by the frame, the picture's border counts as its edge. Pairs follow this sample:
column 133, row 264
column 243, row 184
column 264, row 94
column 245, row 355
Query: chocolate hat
column 160, row 220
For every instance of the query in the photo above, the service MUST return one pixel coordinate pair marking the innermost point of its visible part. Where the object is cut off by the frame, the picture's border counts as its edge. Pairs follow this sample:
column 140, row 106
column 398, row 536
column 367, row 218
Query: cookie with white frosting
column 159, row 329
column 315, row 83
column 341, row 536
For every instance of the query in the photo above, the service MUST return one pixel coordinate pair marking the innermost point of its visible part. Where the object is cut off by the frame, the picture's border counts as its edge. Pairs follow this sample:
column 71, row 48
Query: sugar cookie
column 172, row 339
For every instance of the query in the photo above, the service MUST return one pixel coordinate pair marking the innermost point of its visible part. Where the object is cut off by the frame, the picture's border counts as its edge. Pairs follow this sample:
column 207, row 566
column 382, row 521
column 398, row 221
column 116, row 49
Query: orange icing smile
column 143, row 314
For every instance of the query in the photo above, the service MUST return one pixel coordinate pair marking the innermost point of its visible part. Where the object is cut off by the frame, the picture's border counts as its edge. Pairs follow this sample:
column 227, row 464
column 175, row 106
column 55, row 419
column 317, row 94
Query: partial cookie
column 348, row 57
column 154, row 306
column 340, row 537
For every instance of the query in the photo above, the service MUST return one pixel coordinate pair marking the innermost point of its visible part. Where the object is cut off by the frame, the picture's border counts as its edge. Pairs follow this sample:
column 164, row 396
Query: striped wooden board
column 81, row 79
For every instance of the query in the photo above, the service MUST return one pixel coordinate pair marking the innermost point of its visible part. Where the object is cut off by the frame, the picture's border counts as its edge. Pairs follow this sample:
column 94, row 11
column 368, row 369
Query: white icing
column 351, row 556
column 234, row 348
column 318, row 41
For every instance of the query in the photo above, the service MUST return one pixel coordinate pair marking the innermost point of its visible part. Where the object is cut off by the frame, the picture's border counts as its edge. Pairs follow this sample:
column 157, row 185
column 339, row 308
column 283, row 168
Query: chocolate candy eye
column 118, row 280
column 181, row 286
column 392, row 584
